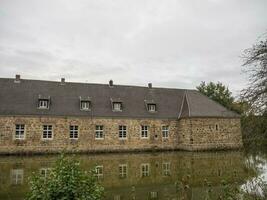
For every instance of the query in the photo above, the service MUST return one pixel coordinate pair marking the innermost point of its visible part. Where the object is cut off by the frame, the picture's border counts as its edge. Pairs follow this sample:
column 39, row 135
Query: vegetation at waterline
column 252, row 101
column 66, row 180
column 253, row 190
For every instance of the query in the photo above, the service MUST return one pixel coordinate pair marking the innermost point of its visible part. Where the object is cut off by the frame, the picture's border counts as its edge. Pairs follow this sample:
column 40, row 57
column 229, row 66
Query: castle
column 48, row 117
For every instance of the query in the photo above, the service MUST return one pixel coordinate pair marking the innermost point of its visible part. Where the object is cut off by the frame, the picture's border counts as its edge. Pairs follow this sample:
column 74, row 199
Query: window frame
column 151, row 105
column 47, row 132
column 73, row 131
column 166, row 168
column 20, row 130
column 146, row 131
column 165, row 132
column 123, row 171
column 97, row 174
column 99, row 132
column 145, row 170
column 41, row 101
column 122, row 132
column 85, row 102
column 114, row 107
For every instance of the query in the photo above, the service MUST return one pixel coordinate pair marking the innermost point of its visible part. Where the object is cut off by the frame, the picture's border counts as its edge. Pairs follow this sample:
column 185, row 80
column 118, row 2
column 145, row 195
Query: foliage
column 221, row 94
column 65, row 181
column 255, row 65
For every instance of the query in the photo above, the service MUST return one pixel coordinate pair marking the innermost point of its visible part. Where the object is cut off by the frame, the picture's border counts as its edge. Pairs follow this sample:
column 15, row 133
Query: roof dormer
column 43, row 102
column 116, row 105
column 85, row 104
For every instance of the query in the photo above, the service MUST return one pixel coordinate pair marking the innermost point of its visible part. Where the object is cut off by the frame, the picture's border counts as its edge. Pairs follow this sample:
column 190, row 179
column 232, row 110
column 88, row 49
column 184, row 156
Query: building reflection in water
column 168, row 175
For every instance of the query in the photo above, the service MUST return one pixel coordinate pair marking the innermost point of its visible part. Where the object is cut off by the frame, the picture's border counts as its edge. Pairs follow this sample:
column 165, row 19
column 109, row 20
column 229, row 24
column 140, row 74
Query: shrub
column 65, row 181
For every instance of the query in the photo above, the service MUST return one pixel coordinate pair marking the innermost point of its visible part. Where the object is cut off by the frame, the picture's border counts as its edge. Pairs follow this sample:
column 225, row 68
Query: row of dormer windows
column 86, row 105
column 47, row 134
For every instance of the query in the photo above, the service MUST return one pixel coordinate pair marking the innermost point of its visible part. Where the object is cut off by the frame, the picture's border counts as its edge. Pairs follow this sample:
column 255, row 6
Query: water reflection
column 168, row 175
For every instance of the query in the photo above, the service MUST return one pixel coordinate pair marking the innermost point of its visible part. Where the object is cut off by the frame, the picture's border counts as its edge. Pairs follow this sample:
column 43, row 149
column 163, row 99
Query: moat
column 159, row 175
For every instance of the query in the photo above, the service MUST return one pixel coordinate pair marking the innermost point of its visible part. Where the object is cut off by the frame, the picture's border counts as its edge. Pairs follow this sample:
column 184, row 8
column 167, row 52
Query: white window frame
column 166, row 168
column 123, row 170
column 122, row 132
column 144, row 133
column 165, row 131
column 45, row 171
column 99, row 131
column 17, row 176
column 46, row 132
column 19, row 132
column 85, row 105
column 151, row 107
column 43, row 103
column 117, row 106
column 74, row 132
column 145, row 170
column 99, row 171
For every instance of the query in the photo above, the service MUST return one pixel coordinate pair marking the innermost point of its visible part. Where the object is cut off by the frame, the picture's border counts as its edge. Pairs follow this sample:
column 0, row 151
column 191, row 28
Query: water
column 160, row 175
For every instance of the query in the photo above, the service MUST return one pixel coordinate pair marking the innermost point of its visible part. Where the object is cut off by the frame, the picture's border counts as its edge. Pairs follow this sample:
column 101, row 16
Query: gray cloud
column 174, row 43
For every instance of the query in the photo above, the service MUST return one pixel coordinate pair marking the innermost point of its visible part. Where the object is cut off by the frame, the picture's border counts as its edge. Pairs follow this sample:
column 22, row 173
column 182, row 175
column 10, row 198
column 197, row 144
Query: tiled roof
column 22, row 99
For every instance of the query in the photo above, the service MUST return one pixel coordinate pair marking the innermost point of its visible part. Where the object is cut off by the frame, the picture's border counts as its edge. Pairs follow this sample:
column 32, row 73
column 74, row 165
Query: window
column 216, row 127
column 151, row 107
column 20, row 130
column 99, row 133
column 17, row 176
column 85, row 105
column 145, row 170
column 43, row 104
column 74, row 132
column 166, row 169
column 165, row 131
column 123, row 171
column 45, row 172
column 117, row 106
column 153, row 195
column 122, row 132
column 99, row 171
column 47, row 132
column 144, row 131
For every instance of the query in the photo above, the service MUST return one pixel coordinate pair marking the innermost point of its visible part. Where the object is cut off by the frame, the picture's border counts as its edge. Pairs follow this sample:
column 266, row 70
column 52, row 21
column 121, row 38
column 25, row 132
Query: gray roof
column 22, row 99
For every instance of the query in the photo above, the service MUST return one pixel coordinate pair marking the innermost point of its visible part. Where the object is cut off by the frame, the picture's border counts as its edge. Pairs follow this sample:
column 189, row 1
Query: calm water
column 144, row 175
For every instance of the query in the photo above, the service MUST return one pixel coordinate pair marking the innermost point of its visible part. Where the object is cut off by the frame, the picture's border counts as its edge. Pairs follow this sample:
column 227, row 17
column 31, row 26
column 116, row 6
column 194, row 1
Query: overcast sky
column 171, row 43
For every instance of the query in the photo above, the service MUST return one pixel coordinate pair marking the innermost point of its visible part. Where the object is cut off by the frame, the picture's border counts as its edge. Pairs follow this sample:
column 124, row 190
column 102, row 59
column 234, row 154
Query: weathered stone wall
column 209, row 133
column 86, row 142
column 187, row 134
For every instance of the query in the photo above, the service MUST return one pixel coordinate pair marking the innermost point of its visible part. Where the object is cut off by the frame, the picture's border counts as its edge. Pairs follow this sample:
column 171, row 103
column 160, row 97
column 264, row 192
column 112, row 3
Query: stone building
column 45, row 116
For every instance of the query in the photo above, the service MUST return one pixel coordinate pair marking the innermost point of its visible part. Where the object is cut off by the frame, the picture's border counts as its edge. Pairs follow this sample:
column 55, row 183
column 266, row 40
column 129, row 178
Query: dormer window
column 117, row 106
column 151, row 107
column 85, row 105
column 43, row 104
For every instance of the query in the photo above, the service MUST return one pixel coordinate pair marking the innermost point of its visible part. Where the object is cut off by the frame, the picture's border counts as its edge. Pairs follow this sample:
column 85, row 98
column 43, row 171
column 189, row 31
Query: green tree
column 65, row 181
column 219, row 93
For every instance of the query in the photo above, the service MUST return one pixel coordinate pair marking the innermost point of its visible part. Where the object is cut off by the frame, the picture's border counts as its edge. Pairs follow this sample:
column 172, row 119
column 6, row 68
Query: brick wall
column 188, row 134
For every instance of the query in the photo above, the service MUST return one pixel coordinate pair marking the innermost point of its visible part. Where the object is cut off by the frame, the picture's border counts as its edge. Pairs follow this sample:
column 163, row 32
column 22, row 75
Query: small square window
column 151, row 107
column 85, row 105
column 74, row 132
column 47, row 132
column 99, row 132
column 20, row 131
column 43, row 104
column 117, row 106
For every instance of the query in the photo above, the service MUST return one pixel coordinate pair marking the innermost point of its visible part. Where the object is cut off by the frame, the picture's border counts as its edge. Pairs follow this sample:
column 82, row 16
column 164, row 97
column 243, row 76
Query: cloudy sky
column 171, row 43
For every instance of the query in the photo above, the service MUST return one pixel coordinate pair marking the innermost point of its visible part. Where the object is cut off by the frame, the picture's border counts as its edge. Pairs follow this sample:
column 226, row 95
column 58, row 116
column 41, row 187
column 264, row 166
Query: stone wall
column 209, row 133
column 187, row 134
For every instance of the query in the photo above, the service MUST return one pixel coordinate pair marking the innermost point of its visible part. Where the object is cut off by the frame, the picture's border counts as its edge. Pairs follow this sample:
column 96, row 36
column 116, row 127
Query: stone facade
column 186, row 133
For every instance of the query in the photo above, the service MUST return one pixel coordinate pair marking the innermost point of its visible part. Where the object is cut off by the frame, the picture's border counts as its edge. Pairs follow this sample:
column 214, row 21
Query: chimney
column 62, row 81
column 111, row 83
column 17, row 79
column 149, row 85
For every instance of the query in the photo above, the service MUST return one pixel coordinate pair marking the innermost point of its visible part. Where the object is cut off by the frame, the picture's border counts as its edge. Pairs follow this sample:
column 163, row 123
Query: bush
column 65, row 181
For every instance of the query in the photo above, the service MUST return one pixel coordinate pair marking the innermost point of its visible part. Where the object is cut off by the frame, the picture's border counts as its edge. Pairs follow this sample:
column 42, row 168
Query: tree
column 219, row 93
column 65, row 181
column 255, row 65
